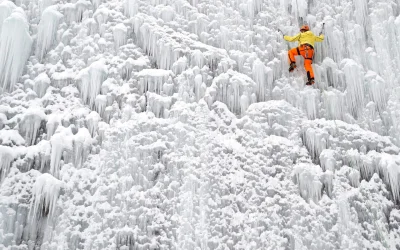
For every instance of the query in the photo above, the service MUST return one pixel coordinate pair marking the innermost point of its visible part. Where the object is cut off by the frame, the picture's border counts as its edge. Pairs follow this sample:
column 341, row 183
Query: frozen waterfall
column 175, row 124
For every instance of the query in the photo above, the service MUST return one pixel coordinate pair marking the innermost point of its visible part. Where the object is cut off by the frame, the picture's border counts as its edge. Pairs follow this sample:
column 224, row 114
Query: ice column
column 334, row 104
column 377, row 90
column 259, row 77
column 197, row 59
column 60, row 142
column 307, row 176
column 6, row 157
column 131, row 7
column 6, row 8
column 15, row 49
column 233, row 89
column 43, row 4
column 45, row 194
column 92, row 121
column 159, row 105
column 47, row 31
column 53, row 121
column 311, row 103
column 41, row 83
column 30, row 124
column 355, row 87
column 390, row 167
column 315, row 140
column 91, row 80
column 153, row 79
column 120, row 32
column 82, row 143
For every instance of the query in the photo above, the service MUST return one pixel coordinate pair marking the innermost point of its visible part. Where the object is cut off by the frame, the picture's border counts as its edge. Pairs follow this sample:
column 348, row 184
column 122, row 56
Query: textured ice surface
column 174, row 124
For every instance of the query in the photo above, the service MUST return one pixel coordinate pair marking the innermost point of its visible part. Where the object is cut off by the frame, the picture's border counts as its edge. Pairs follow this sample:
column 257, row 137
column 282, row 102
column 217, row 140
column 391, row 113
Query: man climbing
column 306, row 41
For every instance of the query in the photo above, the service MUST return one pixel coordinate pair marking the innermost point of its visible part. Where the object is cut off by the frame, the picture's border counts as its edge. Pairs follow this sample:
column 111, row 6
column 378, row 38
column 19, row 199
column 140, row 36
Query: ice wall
column 175, row 125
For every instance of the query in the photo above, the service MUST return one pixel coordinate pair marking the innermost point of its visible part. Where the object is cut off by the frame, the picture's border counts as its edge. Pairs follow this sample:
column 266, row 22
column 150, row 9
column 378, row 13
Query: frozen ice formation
column 174, row 124
column 47, row 31
column 15, row 48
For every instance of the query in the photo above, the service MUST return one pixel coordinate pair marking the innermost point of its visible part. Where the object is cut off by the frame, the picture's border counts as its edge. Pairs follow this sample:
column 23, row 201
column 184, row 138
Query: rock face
column 135, row 124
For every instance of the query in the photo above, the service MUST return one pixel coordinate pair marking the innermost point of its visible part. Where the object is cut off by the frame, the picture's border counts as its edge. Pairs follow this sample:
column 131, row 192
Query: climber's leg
column 292, row 60
column 308, row 54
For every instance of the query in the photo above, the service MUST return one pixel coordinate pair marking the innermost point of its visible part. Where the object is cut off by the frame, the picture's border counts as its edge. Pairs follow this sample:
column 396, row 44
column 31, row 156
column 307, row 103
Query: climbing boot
column 310, row 82
column 292, row 66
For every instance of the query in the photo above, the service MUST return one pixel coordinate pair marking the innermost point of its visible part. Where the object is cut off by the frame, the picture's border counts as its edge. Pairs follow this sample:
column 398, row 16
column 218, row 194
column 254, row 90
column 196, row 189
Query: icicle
column 91, row 81
column 43, row 155
column 354, row 178
column 43, row 4
column 377, row 90
column 103, row 127
column 300, row 8
column 53, row 121
column 120, row 35
column 390, row 167
column 197, row 59
column 81, row 7
column 82, row 143
column 316, row 141
column 7, row 156
column 70, row 12
column 15, row 48
column 334, row 103
column 228, row 88
column 307, row 176
column 311, row 103
column 45, row 194
column 355, row 87
column 361, row 12
column 61, row 141
column 259, row 76
column 101, row 104
column 179, row 66
column 6, row 8
column 327, row 180
column 30, row 124
column 125, row 237
column 244, row 102
column 92, row 121
column 159, row 105
column 47, row 31
column 112, row 112
column 153, row 79
column 41, row 83
column 328, row 160
column 131, row 7
column 199, row 87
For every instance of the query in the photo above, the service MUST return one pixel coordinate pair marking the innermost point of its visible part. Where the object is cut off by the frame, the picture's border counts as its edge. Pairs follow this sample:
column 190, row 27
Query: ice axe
column 323, row 29
column 281, row 32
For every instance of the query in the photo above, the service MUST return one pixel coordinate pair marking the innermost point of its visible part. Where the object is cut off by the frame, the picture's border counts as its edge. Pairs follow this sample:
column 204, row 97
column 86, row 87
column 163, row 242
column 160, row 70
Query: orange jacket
column 305, row 37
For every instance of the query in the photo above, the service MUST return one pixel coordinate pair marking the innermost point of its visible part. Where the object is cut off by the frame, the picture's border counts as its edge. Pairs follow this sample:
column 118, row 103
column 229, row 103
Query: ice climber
column 306, row 41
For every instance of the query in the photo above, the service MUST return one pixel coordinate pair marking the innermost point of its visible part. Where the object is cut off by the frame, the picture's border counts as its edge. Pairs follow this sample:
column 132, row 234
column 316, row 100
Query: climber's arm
column 292, row 38
column 319, row 38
